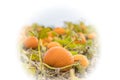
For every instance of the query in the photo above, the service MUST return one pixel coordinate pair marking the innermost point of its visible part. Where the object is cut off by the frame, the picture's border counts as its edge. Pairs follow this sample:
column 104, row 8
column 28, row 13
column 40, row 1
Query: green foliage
column 44, row 33
column 31, row 33
column 34, row 26
column 77, row 28
column 54, row 33
column 90, row 55
column 72, row 45
column 34, row 57
column 74, row 52
column 80, row 68
column 64, row 41
column 89, row 42
column 71, row 26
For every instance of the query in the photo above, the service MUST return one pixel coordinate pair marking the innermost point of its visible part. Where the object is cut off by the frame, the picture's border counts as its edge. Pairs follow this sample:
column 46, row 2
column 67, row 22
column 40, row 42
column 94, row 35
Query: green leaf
column 54, row 33
column 77, row 28
column 90, row 55
column 74, row 52
column 34, row 57
column 31, row 33
column 89, row 42
column 34, row 26
column 65, row 41
column 72, row 45
column 44, row 33
column 69, row 25
column 81, row 48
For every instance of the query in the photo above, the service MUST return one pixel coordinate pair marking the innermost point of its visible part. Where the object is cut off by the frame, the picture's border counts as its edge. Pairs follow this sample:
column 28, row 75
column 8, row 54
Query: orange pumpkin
column 83, row 39
column 58, row 57
column 50, row 34
column 83, row 60
column 59, row 30
column 31, row 42
column 47, row 40
column 91, row 36
column 53, row 44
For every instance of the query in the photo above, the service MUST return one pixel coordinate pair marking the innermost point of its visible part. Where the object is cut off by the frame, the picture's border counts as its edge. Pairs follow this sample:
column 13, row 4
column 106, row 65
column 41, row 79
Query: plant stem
column 53, row 68
column 40, row 55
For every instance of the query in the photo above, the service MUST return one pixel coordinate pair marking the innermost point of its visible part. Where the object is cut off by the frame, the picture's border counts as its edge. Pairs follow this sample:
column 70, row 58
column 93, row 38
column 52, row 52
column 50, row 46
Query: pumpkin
column 82, row 59
column 58, row 57
column 91, row 36
column 50, row 34
column 53, row 44
column 59, row 30
column 46, row 40
column 31, row 42
column 82, row 37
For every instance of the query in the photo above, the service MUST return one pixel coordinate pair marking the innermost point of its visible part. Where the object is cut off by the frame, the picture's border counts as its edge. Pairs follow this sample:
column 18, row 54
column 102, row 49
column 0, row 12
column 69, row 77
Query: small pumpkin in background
column 58, row 57
column 50, row 34
column 46, row 40
column 31, row 42
column 53, row 44
column 59, row 30
column 82, row 59
column 82, row 39
column 91, row 36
